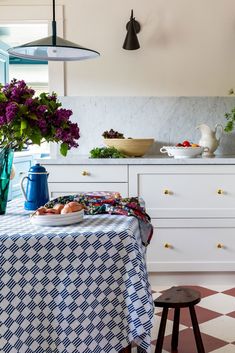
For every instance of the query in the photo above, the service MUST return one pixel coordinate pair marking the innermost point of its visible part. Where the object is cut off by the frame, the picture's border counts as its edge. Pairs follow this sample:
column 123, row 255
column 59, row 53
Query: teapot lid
column 37, row 168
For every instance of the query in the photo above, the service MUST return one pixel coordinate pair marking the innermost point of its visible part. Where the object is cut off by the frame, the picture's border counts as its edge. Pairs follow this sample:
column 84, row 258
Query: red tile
column 187, row 342
column 232, row 314
column 230, row 292
column 203, row 315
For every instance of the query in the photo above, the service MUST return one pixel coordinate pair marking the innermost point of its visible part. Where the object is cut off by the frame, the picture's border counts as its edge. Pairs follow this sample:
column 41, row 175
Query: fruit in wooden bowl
column 130, row 147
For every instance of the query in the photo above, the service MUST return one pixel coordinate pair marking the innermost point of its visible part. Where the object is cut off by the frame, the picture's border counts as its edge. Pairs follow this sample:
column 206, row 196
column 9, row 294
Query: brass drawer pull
column 85, row 173
column 220, row 246
column 167, row 192
column 168, row 246
column 220, row 192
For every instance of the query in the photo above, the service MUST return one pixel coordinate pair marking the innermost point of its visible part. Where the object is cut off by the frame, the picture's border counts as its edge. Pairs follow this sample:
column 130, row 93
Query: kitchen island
column 191, row 203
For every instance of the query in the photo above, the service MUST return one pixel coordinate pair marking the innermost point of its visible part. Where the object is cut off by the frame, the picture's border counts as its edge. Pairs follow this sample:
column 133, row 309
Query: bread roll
column 66, row 209
column 50, row 211
column 41, row 211
column 59, row 207
column 75, row 206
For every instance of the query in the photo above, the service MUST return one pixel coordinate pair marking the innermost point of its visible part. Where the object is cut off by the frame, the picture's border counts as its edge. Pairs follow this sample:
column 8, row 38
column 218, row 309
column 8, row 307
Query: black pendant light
column 131, row 41
column 53, row 48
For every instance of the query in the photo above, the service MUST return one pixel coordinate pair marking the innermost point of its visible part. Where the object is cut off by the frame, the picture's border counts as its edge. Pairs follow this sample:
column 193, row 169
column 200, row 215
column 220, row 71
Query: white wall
column 187, row 47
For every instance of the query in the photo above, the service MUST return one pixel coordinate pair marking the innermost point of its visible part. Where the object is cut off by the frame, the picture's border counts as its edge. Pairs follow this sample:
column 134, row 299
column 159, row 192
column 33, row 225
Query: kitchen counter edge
column 147, row 160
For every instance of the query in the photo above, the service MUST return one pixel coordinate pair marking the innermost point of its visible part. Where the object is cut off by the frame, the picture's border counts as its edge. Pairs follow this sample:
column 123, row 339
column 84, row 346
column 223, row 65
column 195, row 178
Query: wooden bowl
column 130, row 147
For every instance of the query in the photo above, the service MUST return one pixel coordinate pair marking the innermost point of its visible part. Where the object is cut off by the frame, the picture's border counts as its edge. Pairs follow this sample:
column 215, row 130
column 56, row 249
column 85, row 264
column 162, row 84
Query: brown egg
column 58, row 207
column 75, row 206
column 66, row 209
column 41, row 211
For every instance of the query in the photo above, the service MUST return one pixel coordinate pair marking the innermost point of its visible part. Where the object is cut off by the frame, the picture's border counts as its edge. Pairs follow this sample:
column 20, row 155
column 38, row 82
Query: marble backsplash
column 168, row 120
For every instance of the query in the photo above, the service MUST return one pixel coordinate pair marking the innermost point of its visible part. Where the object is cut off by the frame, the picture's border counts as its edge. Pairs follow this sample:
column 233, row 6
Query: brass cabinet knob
column 167, row 246
column 85, row 173
column 167, row 192
column 220, row 192
column 220, row 246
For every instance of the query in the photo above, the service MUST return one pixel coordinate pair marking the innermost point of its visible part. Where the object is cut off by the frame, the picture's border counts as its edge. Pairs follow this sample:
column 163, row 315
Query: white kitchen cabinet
column 72, row 179
column 193, row 213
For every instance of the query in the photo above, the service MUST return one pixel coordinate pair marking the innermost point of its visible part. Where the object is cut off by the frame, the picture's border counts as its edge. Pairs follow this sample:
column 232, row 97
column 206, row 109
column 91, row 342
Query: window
column 20, row 18
column 34, row 73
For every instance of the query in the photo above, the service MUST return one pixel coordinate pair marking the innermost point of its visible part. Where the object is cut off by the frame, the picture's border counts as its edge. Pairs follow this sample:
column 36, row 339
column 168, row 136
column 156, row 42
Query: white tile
column 161, row 288
column 222, row 327
column 230, row 348
column 156, row 295
column 219, row 302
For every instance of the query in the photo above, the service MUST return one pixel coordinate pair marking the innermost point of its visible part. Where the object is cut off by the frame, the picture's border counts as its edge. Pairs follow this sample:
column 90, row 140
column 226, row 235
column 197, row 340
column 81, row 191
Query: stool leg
column 197, row 334
column 175, row 332
column 161, row 332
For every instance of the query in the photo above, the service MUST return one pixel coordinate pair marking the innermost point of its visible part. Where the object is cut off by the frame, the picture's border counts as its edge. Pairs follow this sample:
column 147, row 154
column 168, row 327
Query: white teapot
column 209, row 139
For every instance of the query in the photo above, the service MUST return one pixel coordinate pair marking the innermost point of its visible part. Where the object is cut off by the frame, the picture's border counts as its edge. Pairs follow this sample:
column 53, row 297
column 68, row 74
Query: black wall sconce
column 131, row 41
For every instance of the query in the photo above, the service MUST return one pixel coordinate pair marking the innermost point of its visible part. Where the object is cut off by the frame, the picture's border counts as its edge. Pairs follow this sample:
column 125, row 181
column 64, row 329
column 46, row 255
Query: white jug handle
column 163, row 149
column 206, row 149
column 221, row 128
column 22, row 187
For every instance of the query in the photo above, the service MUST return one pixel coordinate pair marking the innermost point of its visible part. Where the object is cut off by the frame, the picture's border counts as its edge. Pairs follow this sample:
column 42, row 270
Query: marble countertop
column 146, row 160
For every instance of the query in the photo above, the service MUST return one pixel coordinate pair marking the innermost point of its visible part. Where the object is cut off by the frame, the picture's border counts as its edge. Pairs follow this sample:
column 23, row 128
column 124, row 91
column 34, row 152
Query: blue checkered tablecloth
column 80, row 288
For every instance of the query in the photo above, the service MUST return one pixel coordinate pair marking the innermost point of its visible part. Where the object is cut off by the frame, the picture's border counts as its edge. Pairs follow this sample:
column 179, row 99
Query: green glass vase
column 6, row 159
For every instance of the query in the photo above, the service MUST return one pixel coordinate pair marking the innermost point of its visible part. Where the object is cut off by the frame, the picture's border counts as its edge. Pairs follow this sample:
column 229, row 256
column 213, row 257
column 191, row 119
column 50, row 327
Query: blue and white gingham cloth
column 82, row 288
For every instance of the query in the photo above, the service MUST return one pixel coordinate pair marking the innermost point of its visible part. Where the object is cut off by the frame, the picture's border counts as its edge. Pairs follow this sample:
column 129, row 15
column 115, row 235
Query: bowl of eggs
column 59, row 215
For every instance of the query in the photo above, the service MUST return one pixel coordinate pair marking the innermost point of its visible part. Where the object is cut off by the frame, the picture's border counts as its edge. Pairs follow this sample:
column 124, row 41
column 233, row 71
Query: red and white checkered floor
column 216, row 317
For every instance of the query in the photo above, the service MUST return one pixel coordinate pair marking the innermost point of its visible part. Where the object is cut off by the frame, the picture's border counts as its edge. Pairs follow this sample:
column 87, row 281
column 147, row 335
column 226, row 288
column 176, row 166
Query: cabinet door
column 185, row 191
column 87, row 173
column 186, row 245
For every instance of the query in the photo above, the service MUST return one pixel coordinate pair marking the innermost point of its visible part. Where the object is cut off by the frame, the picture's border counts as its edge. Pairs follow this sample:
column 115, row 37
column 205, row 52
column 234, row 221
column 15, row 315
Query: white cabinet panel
column 183, row 248
column 193, row 212
column 87, row 173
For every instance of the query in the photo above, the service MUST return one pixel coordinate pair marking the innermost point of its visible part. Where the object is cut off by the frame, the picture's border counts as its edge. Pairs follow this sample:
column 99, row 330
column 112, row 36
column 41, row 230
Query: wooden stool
column 177, row 298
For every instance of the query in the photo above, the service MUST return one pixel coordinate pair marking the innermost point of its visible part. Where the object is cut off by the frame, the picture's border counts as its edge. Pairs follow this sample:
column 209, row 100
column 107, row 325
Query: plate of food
column 59, row 215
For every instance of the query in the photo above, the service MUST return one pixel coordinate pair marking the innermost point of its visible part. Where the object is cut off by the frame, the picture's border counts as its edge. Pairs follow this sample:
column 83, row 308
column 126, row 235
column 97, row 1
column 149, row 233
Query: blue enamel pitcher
column 37, row 193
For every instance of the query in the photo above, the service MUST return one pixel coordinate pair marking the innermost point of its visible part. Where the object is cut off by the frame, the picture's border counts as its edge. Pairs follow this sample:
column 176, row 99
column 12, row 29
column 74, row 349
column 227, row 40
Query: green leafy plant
column 26, row 119
column 230, row 120
column 106, row 152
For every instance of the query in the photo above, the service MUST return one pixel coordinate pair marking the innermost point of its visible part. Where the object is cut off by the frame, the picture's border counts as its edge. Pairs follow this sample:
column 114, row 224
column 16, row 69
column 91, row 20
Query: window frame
column 18, row 14
column 10, row 14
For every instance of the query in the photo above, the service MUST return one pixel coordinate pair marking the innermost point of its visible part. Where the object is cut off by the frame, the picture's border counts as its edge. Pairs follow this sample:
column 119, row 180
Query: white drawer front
column 87, row 173
column 188, row 195
column 61, row 189
column 192, row 249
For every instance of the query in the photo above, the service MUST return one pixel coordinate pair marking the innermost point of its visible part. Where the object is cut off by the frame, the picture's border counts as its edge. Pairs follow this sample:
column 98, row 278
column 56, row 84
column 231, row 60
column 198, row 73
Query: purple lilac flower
column 3, row 120
column 11, row 111
column 42, row 124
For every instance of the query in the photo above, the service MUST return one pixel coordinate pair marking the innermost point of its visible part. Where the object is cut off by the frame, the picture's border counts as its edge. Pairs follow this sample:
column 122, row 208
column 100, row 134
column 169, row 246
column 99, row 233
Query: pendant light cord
column 54, row 26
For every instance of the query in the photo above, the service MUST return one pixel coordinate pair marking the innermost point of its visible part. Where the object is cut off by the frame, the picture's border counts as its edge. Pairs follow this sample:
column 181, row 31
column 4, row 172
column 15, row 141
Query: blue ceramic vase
column 6, row 159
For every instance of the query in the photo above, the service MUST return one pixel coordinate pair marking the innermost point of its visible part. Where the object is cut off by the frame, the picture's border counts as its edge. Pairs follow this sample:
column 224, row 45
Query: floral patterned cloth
column 111, row 203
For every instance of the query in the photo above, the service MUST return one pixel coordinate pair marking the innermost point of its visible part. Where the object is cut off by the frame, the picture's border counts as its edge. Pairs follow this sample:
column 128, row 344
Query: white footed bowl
column 183, row 152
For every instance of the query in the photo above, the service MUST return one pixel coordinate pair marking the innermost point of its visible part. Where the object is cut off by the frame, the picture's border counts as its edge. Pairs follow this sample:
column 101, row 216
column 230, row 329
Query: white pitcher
column 209, row 139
